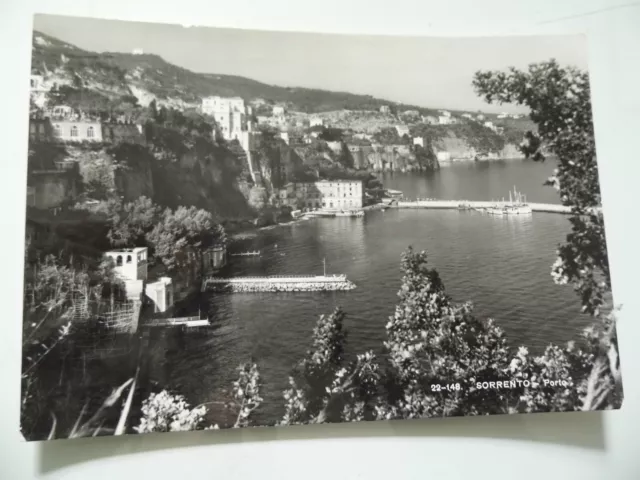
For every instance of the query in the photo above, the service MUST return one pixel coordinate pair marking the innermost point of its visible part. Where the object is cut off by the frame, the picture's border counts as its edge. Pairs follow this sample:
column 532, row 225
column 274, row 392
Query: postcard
column 231, row 228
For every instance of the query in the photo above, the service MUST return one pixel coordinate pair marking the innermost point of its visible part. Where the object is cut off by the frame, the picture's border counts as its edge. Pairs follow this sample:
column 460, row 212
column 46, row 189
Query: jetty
column 474, row 205
column 279, row 283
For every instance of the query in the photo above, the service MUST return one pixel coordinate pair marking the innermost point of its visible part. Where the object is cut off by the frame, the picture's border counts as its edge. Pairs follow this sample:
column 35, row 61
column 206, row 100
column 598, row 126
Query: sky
column 424, row 71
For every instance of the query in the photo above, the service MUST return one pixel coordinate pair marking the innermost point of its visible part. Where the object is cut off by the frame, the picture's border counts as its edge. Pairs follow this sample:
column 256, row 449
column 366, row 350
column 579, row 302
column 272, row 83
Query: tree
column 322, row 389
column 560, row 105
column 153, row 109
column 246, row 393
column 132, row 221
column 164, row 412
column 559, row 99
column 182, row 233
column 431, row 341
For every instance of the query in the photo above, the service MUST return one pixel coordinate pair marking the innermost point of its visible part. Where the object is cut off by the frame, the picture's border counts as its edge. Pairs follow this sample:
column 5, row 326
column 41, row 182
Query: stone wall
column 52, row 188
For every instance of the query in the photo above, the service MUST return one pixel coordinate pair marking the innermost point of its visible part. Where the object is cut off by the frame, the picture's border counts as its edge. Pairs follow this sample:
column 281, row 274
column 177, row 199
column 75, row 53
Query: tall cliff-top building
column 233, row 121
column 229, row 113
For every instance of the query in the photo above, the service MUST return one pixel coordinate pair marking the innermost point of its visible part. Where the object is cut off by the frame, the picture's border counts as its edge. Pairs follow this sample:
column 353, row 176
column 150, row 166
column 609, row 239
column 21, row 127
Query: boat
column 350, row 213
column 394, row 193
column 254, row 253
column 517, row 205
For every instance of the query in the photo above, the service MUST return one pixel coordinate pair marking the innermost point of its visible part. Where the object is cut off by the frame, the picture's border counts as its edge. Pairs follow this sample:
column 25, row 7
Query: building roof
column 128, row 250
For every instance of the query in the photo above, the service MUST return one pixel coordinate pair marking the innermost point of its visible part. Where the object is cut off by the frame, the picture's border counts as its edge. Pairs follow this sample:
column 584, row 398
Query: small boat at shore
column 254, row 253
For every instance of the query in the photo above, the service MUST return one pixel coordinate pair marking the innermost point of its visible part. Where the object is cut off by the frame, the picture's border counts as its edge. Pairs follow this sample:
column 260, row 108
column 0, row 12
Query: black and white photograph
column 231, row 228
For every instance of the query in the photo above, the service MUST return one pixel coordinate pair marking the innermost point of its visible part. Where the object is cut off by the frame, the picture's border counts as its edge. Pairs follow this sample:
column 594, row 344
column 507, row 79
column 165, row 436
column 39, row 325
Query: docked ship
column 517, row 205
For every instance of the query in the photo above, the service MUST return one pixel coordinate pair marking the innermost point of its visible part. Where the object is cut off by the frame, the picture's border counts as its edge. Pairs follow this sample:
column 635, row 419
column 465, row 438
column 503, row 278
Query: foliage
column 322, row 389
column 164, row 412
column 432, row 341
column 182, row 232
column 560, row 105
column 331, row 134
column 246, row 393
column 387, row 136
column 559, row 99
column 130, row 222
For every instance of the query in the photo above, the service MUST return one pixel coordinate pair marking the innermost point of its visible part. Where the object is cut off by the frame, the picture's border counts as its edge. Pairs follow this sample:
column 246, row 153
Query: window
column 119, row 261
column 128, row 258
column 73, row 132
column 90, row 132
column 56, row 130
column 33, row 83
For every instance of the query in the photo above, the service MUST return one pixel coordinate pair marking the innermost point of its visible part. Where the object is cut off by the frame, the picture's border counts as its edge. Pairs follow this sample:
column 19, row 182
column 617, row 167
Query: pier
column 466, row 205
column 279, row 283
column 177, row 322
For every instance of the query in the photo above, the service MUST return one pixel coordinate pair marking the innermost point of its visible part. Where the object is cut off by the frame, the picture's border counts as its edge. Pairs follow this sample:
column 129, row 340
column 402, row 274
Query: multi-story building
column 418, row 141
column 444, row 120
column 467, row 115
column 316, row 122
column 230, row 115
column 385, row 109
column 323, row 194
column 277, row 111
column 77, row 130
column 430, row 120
column 341, row 194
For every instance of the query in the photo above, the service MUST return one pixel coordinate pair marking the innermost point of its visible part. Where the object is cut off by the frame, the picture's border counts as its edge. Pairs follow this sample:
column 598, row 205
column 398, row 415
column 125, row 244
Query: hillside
column 112, row 75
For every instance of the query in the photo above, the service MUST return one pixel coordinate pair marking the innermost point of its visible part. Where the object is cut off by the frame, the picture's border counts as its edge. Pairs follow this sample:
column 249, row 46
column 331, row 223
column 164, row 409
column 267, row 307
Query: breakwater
column 279, row 283
column 465, row 205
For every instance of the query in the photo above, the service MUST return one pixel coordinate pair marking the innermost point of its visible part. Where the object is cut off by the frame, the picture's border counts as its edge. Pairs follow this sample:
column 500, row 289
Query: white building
column 138, row 51
column 418, row 141
column 479, row 117
column 316, row 122
column 430, row 120
column 444, row 120
column 324, row 194
column 503, row 115
column 230, row 115
column 445, row 113
column 443, row 156
column 467, row 115
column 285, row 136
column 131, row 267
column 402, row 130
column 277, row 111
column 161, row 294
column 385, row 109
column 489, row 125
